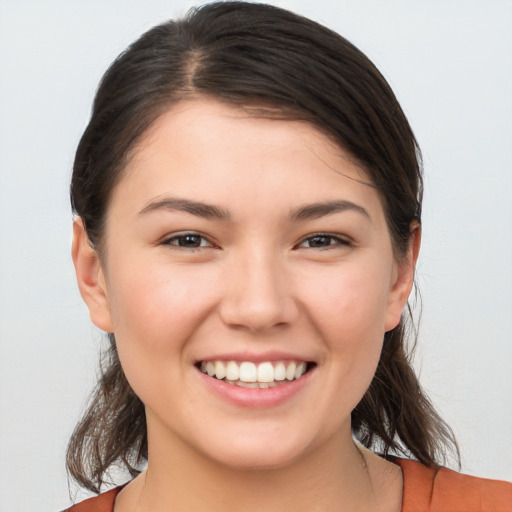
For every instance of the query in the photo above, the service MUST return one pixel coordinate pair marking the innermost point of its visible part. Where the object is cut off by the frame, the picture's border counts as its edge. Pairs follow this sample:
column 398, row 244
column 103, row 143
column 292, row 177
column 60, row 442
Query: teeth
column 243, row 384
column 210, row 369
column 232, row 371
column 220, row 370
column 265, row 372
column 280, row 371
column 290, row 371
column 248, row 374
column 300, row 370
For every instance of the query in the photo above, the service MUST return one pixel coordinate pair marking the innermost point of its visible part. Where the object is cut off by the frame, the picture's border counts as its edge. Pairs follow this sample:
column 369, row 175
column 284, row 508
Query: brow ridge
column 186, row 205
column 317, row 210
column 301, row 213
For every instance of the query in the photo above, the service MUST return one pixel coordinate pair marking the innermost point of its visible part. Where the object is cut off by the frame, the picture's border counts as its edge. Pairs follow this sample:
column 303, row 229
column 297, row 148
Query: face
column 249, row 280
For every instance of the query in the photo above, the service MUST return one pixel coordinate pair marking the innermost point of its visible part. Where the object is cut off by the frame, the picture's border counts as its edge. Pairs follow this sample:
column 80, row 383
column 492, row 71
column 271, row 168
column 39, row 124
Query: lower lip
column 255, row 397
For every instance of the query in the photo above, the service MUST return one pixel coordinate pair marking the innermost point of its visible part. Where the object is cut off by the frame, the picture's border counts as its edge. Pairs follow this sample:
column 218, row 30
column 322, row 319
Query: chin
column 257, row 453
column 256, row 460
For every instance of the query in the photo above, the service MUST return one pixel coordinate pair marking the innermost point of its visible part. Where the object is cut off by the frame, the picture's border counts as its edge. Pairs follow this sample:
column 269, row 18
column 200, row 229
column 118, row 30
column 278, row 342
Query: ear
column 403, row 279
column 90, row 278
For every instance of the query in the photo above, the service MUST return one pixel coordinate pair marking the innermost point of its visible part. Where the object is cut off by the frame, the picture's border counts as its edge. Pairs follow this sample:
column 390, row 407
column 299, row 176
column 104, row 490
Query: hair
column 276, row 64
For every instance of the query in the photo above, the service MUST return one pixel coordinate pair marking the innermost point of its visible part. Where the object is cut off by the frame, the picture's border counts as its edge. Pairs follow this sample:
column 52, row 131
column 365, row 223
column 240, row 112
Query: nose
column 258, row 294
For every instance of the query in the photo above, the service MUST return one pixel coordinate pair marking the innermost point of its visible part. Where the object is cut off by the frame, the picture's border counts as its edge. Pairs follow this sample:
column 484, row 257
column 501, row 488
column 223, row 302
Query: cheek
column 346, row 308
column 350, row 301
column 155, row 313
column 349, row 312
column 153, row 304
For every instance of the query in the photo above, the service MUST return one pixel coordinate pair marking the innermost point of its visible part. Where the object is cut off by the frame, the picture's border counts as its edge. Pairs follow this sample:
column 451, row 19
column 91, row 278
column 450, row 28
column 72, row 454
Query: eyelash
column 338, row 241
column 182, row 236
column 334, row 241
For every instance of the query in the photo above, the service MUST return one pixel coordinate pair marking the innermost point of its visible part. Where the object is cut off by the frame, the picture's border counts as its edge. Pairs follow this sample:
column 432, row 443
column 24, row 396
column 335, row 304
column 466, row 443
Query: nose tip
column 258, row 298
column 255, row 316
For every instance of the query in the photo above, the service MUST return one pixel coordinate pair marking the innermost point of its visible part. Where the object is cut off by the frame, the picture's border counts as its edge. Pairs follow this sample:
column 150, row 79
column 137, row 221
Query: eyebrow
column 186, row 205
column 317, row 210
column 305, row 212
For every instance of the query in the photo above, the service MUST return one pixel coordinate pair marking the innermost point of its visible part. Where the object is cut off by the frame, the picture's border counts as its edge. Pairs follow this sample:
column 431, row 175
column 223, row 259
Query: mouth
column 262, row 375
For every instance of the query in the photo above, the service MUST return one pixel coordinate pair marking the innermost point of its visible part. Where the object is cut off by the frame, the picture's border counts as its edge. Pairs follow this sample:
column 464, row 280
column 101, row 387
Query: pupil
column 319, row 241
column 189, row 241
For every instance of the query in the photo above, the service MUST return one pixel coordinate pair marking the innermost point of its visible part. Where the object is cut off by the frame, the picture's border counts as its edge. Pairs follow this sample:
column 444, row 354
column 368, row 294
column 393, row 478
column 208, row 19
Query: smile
column 247, row 374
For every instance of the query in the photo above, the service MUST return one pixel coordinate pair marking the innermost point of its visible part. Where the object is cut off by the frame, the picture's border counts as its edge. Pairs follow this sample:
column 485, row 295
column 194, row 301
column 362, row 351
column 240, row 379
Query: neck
column 335, row 477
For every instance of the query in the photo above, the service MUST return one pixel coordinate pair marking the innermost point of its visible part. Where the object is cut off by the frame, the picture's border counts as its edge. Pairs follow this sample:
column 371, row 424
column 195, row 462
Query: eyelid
column 181, row 234
column 342, row 241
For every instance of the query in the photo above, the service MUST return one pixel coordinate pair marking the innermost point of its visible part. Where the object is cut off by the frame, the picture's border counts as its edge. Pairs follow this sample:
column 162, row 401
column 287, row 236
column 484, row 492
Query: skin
column 257, row 283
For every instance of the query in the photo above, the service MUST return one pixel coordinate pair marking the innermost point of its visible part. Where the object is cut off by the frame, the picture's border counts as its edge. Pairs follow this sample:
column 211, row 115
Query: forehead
column 208, row 150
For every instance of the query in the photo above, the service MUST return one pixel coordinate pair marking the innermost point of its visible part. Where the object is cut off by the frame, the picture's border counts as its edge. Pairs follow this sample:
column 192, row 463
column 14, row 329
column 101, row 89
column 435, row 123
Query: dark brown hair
column 279, row 64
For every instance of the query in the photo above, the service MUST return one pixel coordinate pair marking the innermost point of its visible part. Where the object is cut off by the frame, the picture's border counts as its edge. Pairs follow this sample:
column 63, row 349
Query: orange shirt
column 426, row 489
column 438, row 489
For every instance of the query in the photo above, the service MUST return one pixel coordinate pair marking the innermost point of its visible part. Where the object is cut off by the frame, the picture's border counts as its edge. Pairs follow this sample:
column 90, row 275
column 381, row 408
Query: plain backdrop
column 449, row 62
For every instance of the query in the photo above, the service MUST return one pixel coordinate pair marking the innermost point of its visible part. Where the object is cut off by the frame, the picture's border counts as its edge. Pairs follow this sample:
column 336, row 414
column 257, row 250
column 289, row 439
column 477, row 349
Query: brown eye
column 323, row 241
column 188, row 241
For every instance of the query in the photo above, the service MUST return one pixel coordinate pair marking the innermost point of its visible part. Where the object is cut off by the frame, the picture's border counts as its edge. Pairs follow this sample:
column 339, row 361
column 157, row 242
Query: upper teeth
column 247, row 371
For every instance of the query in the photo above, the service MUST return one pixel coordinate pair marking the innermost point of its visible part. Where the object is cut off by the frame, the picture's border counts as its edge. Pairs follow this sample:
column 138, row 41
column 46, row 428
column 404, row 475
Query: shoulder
column 102, row 503
column 443, row 490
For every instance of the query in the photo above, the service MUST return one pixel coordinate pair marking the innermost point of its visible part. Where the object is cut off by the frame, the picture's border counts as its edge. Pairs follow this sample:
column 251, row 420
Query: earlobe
column 90, row 278
column 404, row 280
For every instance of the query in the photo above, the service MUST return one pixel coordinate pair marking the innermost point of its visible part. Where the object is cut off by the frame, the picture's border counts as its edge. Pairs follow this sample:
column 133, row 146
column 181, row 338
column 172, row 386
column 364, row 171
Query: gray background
column 449, row 63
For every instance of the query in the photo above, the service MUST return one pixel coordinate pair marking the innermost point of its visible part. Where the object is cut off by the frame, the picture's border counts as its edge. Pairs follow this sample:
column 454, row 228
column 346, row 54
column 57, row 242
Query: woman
column 248, row 201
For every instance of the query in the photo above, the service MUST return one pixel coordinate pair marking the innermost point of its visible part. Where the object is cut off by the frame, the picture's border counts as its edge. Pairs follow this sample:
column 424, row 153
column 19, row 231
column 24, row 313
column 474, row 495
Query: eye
column 188, row 241
column 323, row 241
